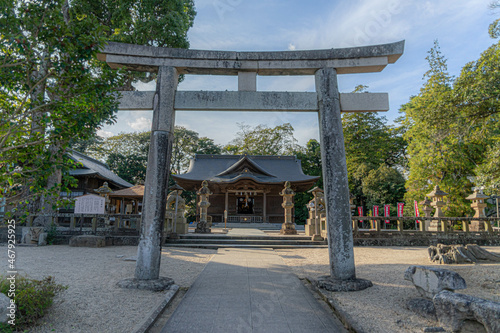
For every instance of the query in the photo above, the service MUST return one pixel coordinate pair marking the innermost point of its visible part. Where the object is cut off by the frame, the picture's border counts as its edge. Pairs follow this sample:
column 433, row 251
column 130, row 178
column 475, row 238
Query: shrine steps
column 214, row 241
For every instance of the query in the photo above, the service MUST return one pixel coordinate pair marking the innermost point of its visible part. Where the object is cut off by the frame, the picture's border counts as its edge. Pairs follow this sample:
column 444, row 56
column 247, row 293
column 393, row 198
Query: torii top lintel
column 363, row 59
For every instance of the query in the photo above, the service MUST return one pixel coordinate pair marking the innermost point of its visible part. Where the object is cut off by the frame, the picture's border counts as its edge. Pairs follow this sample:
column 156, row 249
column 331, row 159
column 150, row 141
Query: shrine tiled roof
column 92, row 167
column 231, row 168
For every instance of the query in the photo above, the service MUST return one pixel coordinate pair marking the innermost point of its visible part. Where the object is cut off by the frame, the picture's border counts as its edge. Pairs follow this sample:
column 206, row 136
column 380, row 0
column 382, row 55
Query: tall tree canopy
column 127, row 153
column 162, row 23
column 54, row 89
column 371, row 144
column 452, row 129
column 263, row 140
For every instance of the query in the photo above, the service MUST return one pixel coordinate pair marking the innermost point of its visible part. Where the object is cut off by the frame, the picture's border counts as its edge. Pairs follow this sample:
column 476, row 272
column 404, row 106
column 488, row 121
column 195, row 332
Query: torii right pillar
column 338, row 211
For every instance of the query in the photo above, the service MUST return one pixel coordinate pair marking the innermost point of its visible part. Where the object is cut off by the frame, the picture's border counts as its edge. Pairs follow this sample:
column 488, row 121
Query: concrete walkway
column 250, row 290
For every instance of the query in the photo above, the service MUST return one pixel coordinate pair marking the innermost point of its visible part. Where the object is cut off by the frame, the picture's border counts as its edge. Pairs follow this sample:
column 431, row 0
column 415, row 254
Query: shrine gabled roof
column 231, row 168
column 91, row 167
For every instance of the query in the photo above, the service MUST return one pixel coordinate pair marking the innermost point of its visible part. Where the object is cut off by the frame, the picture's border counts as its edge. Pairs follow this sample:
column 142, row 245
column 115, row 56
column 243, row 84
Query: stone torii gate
column 325, row 65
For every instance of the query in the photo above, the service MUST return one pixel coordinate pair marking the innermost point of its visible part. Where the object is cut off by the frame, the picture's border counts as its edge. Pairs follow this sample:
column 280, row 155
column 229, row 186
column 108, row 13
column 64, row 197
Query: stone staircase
column 244, row 238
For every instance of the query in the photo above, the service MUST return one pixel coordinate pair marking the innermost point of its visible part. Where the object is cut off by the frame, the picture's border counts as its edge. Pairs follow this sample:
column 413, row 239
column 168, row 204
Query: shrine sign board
column 90, row 204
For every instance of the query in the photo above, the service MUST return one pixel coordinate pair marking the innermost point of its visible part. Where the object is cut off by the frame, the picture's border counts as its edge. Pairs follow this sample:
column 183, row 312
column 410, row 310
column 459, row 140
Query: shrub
column 33, row 298
column 51, row 234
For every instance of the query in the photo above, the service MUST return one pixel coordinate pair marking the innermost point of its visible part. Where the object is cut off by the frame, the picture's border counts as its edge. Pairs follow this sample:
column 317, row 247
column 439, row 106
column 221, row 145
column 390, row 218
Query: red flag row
column 387, row 210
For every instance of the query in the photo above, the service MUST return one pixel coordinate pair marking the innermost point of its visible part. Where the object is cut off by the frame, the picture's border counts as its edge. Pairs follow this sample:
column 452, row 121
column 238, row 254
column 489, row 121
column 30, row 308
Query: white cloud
column 105, row 134
column 140, row 124
column 291, row 47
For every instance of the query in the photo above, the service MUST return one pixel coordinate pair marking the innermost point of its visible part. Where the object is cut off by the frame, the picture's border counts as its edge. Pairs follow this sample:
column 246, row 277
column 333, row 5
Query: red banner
column 417, row 214
column 387, row 212
column 360, row 210
column 375, row 210
column 401, row 206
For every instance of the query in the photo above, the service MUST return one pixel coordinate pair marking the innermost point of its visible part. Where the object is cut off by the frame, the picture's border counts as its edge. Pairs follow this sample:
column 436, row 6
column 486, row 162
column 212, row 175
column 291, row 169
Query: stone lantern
column 316, row 207
column 288, row 228
column 478, row 204
column 176, row 206
column 437, row 202
column 104, row 191
column 427, row 209
column 204, row 192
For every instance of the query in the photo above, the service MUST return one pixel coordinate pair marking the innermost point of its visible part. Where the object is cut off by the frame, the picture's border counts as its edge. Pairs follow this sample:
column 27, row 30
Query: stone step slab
column 87, row 241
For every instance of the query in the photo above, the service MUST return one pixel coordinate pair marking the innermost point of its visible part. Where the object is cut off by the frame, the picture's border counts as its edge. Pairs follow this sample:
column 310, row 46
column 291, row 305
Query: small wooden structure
column 128, row 200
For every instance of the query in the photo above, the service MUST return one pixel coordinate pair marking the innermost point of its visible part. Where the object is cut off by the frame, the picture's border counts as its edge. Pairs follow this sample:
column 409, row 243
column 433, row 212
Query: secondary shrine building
column 247, row 187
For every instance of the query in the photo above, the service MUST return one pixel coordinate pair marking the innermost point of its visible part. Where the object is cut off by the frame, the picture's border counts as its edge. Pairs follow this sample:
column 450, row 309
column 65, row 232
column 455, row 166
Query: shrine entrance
column 327, row 102
column 245, row 205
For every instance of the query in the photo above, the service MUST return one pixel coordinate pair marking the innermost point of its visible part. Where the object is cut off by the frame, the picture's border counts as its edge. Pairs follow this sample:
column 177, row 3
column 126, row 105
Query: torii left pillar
column 338, row 211
column 147, row 271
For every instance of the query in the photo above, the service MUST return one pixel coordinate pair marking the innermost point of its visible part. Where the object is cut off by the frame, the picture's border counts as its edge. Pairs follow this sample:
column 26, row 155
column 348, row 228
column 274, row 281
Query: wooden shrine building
column 247, row 187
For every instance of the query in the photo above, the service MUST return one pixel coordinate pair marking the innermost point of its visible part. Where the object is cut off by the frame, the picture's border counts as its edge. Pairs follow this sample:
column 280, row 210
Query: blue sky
column 461, row 27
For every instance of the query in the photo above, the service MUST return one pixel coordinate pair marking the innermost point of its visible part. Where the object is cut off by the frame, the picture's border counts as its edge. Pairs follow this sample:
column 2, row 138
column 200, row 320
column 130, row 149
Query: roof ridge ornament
column 240, row 164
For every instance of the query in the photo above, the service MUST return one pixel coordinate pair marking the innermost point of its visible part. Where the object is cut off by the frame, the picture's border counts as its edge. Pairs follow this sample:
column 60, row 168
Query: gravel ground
column 93, row 303
column 381, row 308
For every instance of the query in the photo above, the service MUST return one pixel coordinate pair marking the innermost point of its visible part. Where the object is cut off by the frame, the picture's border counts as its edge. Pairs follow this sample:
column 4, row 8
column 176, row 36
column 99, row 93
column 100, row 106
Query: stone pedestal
column 309, row 227
column 426, row 204
column 288, row 228
column 331, row 284
column 437, row 202
column 203, row 193
column 316, row 207
column 478, row 204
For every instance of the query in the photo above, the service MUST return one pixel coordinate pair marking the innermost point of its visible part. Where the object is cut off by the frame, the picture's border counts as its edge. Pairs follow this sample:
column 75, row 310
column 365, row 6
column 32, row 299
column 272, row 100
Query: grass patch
column 33, row 298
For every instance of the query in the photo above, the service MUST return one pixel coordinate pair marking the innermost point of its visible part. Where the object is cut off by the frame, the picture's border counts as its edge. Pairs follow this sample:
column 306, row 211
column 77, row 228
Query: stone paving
column 246, row 232
column 250, row 290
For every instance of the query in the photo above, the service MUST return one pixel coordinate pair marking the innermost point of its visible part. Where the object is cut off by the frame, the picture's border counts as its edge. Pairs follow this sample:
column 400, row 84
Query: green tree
column 310, row 158
column 262, row 140
column 384, row 185
column 441, row 151
column 370, row 143
column 207, row 146
column 127, row 153
column 477, row 97
column 162, row 23
column 52, row 90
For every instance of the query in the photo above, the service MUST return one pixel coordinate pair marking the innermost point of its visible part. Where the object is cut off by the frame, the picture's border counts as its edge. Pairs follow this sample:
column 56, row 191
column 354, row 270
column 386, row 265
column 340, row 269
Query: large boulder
column 87, row 241
column 429, row 281
column 453, row 310
column 423, row 307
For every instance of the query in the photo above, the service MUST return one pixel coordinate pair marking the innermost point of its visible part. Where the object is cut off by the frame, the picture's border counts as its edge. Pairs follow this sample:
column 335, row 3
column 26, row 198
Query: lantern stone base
column 288, row 229
column 434, row 226
column 317, row 238
column 160, row 284
column 202, row 228
column 476, row 226
column 309, row 227
column 329, row 283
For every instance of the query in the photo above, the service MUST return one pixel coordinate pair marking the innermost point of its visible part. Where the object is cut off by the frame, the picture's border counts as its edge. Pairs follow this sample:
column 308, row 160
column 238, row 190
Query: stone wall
column 409, row 238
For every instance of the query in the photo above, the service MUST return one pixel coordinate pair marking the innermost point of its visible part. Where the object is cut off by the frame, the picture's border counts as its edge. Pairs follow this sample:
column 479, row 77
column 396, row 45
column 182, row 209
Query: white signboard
column 90, row 204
